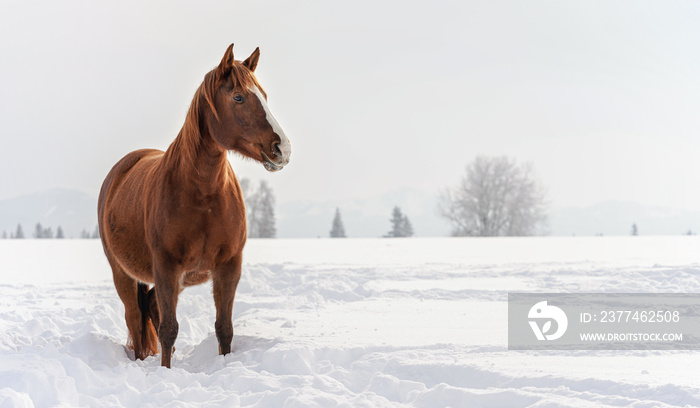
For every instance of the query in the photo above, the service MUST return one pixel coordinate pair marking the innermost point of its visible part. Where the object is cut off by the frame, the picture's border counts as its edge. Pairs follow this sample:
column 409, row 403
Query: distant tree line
column 400, row 225
column 496, row 197
column 46, row 233
column 85, row 234
column 41, row 232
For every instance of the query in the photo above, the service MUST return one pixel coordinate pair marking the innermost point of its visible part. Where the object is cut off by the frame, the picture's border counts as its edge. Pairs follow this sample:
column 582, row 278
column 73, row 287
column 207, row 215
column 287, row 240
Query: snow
column 343, row 323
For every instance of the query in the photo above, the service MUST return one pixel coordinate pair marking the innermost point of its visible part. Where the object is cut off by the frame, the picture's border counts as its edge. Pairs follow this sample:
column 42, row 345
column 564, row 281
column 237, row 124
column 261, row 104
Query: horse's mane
column 187, row 142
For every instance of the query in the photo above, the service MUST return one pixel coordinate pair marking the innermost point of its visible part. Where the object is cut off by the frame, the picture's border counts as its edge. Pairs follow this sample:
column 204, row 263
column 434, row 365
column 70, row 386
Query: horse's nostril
column 276, row 149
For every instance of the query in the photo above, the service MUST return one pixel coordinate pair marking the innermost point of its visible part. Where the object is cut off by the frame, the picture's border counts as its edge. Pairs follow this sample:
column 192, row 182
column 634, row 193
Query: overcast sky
column 603, row 97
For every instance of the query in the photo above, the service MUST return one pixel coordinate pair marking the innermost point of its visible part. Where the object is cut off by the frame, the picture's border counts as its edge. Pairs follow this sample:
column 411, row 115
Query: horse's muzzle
column 274, row 165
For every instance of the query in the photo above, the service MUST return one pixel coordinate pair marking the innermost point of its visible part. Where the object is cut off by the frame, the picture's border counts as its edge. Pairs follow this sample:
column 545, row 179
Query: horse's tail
column 149, row 337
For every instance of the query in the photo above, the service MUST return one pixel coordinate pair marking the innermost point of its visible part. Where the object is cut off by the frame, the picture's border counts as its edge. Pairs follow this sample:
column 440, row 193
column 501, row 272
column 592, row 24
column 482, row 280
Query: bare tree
column 261, row 212
column 496, row 197
column 245, row 187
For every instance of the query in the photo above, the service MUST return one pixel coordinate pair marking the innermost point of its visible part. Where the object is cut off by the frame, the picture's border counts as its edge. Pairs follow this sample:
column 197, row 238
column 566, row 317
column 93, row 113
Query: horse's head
column 240, row 119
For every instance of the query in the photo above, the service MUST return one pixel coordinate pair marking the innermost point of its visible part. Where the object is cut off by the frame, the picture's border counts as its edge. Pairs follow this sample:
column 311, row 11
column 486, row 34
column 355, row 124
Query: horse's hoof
column 223, row 352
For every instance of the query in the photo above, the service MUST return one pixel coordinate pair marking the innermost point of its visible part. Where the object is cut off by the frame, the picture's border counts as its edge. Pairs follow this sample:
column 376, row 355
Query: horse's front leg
column 226, row 279
column 167, row 285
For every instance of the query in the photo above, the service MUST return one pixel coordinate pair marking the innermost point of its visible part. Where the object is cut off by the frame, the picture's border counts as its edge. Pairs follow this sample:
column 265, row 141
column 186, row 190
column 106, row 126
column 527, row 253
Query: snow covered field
column 344, row 323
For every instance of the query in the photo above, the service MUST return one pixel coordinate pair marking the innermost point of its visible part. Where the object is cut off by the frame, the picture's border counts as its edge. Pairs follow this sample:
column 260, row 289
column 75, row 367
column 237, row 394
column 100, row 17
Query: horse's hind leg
column 153, row 312
column 142, row 335
column 226, row 280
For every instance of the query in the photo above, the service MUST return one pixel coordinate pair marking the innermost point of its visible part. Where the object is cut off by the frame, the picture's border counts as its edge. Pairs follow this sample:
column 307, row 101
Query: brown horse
column 177, row 218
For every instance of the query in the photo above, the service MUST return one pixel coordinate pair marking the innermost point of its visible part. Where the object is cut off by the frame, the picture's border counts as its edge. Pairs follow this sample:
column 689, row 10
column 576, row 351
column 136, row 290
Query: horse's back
column 121, row 208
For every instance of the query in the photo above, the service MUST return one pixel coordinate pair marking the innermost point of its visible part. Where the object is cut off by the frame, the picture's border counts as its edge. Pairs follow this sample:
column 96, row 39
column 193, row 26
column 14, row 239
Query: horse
column 177, row 218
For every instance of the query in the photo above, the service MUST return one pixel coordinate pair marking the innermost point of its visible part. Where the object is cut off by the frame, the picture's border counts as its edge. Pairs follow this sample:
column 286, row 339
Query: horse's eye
column 239, row 98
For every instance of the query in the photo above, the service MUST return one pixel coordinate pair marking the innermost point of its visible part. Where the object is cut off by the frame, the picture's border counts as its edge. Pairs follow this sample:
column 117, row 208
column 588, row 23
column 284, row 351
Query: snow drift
column 343, row 323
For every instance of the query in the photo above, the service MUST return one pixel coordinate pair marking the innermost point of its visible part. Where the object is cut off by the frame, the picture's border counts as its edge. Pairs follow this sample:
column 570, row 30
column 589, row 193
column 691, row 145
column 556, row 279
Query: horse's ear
column 227, row 60
column 252, row 61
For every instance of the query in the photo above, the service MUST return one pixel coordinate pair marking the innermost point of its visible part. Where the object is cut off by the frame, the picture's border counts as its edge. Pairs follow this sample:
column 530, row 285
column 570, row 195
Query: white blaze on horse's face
column 284, row 146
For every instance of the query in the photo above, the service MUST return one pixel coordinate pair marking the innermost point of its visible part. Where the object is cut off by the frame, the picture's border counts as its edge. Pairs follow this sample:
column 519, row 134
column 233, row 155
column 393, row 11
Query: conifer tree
column 406, row 227
column 19, row 234
column 337, row 229
column 38, row 231
column 42, row 233
column 400, row 225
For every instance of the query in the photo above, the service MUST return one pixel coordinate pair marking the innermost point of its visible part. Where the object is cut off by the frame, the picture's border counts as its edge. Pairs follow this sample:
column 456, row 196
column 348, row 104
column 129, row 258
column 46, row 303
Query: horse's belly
column 196, row 277
column 133, row 256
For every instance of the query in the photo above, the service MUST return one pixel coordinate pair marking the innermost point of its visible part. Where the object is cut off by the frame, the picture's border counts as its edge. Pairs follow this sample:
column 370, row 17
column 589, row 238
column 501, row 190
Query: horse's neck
column 196, row 162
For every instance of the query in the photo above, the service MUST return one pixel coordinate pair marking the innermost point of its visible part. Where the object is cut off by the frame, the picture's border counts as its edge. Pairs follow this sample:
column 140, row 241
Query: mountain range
column 618, row 217
column 76, row 211
column 72, row 210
